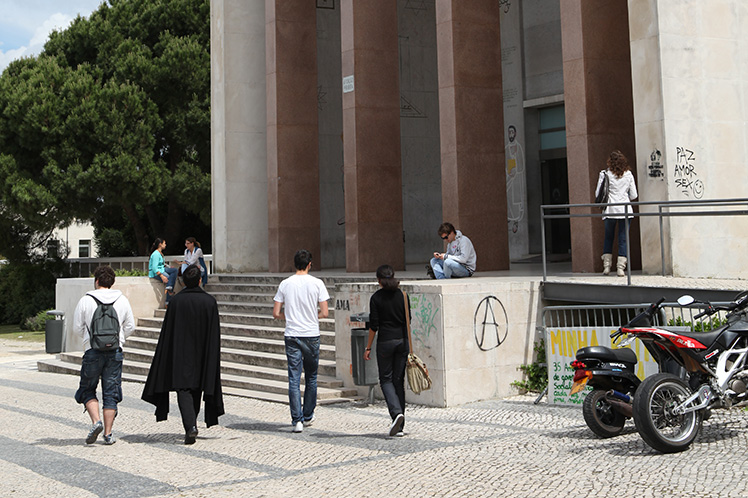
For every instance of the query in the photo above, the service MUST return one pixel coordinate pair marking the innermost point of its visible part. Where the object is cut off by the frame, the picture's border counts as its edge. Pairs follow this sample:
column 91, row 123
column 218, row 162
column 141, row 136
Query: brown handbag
column 418, row 374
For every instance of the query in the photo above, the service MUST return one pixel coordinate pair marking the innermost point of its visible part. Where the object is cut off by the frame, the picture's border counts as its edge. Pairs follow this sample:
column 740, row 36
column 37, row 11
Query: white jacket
column 86, row 307
column 620, row 190
column 462, row 251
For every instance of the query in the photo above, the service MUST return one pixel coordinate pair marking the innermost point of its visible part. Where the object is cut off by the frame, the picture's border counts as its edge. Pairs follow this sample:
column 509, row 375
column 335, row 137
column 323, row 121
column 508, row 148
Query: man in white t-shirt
column 299, row 295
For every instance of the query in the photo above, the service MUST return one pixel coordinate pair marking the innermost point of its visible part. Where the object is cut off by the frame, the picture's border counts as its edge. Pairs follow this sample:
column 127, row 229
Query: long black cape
column 188, row 354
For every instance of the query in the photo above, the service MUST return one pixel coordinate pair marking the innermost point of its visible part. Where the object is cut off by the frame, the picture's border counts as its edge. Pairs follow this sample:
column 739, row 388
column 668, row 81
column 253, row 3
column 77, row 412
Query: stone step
column 232, row 384
column 327, row 324
column 247, row 345
column 138, row 361
column 264, row 278
column 256, row 308
column 326, row 336
column 230, row 332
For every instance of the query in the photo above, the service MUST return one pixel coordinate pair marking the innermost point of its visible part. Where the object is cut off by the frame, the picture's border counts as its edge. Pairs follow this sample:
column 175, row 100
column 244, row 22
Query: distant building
column 75, row 240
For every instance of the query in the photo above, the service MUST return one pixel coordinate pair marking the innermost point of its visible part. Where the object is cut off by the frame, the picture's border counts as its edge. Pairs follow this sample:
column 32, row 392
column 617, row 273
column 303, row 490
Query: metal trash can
column 365, row 373
column 54, row 331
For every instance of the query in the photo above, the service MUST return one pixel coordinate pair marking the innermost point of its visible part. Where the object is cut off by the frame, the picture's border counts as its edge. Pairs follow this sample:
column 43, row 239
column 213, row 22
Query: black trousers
column 189, row 406
column 391, row 359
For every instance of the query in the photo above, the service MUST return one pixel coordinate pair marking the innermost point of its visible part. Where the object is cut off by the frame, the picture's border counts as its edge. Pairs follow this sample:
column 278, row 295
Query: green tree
column 111, row 123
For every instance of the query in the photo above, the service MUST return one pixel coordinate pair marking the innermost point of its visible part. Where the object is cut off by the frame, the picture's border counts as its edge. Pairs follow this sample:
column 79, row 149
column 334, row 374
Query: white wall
column 690, row 84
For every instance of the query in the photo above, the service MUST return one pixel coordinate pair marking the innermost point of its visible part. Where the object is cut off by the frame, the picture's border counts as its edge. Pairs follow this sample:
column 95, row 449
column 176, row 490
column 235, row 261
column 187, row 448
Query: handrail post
column 542, row 239
column 662, row 241
column 628, row 246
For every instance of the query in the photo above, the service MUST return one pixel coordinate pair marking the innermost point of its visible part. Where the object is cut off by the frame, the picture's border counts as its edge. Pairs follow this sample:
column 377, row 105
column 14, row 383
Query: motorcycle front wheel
column 601, row 417
column 658, row 426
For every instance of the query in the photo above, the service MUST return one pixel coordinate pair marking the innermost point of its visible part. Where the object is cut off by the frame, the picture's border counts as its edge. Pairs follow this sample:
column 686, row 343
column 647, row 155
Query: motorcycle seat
column 705, row 338
column 604, row 353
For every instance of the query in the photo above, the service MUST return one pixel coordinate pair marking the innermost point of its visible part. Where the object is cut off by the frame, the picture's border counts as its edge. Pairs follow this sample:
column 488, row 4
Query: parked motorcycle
column 669, row 409
column 612, row 375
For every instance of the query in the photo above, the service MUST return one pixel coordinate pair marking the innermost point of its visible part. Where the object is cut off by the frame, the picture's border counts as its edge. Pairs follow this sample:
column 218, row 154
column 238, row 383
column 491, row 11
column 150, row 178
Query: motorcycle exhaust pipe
column 621, row 402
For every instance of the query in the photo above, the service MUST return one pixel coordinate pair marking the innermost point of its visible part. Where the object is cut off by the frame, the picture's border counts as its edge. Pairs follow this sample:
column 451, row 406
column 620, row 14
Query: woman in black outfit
column 387, row 316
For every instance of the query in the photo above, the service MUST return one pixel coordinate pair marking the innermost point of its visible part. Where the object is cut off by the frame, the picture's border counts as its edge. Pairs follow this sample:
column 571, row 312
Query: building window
column 84, row 248
column 53, row 248
column 552, row 128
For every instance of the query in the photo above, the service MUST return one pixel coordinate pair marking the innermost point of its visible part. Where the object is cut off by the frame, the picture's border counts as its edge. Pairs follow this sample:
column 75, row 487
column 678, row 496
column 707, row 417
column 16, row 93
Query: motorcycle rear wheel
column 657, row 425
column 601, row 417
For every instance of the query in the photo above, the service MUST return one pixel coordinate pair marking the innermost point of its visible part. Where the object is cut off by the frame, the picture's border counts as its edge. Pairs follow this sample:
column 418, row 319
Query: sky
column 25, row 24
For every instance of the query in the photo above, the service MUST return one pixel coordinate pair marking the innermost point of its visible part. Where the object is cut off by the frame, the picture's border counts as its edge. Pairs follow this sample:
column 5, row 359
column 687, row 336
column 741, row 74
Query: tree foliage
column 111, row 123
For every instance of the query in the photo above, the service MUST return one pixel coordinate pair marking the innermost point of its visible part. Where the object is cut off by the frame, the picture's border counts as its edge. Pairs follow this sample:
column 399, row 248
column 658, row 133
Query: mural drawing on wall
column 685, row 174
column 515, row 179
column 506, row 4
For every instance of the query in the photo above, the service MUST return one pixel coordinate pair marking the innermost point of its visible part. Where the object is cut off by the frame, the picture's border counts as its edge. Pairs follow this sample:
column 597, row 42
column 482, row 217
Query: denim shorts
column 106, row 365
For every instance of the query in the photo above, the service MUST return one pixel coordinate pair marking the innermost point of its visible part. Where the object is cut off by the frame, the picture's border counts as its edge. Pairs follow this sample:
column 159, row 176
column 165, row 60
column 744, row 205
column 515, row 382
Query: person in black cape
column 187, row 358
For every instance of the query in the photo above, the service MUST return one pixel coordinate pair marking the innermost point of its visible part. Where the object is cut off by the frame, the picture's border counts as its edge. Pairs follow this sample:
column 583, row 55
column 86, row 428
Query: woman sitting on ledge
column 158, row 270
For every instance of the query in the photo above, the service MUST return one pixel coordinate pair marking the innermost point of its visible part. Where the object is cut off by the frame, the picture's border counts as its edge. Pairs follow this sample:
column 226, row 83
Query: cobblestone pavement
column 507, row 447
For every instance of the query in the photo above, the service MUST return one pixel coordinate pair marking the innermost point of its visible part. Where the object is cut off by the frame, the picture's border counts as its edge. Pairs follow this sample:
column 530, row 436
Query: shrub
column 37, row 322
column 536, row 373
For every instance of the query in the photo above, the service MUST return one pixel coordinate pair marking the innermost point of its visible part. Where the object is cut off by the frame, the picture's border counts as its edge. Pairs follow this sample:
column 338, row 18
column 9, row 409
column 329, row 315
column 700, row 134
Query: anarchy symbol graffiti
column 486, row 326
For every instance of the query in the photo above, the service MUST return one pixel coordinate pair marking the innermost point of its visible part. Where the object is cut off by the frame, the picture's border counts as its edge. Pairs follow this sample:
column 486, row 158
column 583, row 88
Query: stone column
column 599, row 112
column 292, row 145
column 471, row 116
column 371, row 135
column 238, row 164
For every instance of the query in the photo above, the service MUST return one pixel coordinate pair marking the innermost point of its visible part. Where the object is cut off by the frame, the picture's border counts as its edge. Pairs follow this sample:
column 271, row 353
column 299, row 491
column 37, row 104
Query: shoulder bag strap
column 407, row 321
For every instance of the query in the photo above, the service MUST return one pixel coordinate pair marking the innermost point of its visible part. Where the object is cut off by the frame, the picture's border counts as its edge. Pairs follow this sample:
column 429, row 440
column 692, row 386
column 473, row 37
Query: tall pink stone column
column 371, row 135
column 599, row 113
column 292, row 134
column 471, row 126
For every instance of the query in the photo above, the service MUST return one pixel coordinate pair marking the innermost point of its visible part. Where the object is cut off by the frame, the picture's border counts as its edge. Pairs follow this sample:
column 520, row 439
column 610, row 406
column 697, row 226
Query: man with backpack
column 103, row 318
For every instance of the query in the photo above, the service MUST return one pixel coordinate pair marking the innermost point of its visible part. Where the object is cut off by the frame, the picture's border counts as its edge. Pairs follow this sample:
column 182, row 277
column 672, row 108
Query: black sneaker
column 397, row 424
column 430, row 272
column 93, row 434
column 190, row 435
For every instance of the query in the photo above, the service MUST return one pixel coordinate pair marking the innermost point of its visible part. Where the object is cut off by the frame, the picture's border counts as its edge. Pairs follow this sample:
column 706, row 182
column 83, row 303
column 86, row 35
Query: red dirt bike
column 668, row 410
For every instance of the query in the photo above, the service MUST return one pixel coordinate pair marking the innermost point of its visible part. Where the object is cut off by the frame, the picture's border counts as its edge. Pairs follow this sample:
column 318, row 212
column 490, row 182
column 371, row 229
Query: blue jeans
column 448, row 268
column 302, row 352
column 610, row 232
column 171, row 274
column 106, row 365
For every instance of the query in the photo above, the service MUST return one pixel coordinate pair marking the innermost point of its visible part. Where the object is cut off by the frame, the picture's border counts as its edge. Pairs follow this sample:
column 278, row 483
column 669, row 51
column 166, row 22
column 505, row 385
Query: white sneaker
column 308, row 423
column 299, row 426
column 397, row 424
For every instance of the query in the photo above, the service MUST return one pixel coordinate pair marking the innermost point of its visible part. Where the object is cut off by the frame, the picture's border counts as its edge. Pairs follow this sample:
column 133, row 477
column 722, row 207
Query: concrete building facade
column 354, row 128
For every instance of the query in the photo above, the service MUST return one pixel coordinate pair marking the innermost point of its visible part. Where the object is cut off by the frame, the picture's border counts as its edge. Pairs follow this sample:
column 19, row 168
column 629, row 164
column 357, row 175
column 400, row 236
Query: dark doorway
column 555, row 187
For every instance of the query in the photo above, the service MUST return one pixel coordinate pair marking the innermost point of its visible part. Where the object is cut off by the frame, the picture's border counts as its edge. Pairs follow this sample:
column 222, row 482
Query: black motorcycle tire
column 601, row 417
column 661, row 430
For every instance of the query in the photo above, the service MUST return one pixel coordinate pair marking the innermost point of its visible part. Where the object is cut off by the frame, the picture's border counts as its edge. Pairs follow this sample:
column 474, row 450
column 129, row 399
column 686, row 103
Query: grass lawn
column 15, row 332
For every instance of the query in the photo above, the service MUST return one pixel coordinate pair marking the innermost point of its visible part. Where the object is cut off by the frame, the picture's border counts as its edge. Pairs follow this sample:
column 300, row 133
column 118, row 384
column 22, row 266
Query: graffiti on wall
column 686, row 178
column 490, row 323
column 424, row 310
column 655, row 165
column 506, row 4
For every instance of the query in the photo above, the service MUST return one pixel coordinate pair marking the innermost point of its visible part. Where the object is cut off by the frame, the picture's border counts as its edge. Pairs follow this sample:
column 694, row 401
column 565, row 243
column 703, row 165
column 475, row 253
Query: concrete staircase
column 253, row 359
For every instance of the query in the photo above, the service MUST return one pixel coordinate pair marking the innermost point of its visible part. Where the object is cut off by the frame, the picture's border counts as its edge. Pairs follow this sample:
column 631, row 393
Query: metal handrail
column 633, row 214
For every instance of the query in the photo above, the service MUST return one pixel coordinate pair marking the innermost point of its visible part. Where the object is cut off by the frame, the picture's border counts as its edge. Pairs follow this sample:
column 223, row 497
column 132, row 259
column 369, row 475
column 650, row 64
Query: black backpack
column 104, row 330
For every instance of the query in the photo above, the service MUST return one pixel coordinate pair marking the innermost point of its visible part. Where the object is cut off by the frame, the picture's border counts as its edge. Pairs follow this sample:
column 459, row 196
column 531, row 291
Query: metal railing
column 84, row 267
column 615, row 315
column 663, row 211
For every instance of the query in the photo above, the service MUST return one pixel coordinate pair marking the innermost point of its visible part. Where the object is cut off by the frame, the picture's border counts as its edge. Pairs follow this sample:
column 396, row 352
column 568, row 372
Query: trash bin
column 53, row 331
column 364, row 372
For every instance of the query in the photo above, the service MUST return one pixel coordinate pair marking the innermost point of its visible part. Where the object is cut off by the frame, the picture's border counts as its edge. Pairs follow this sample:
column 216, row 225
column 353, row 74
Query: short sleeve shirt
column 301, row 295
